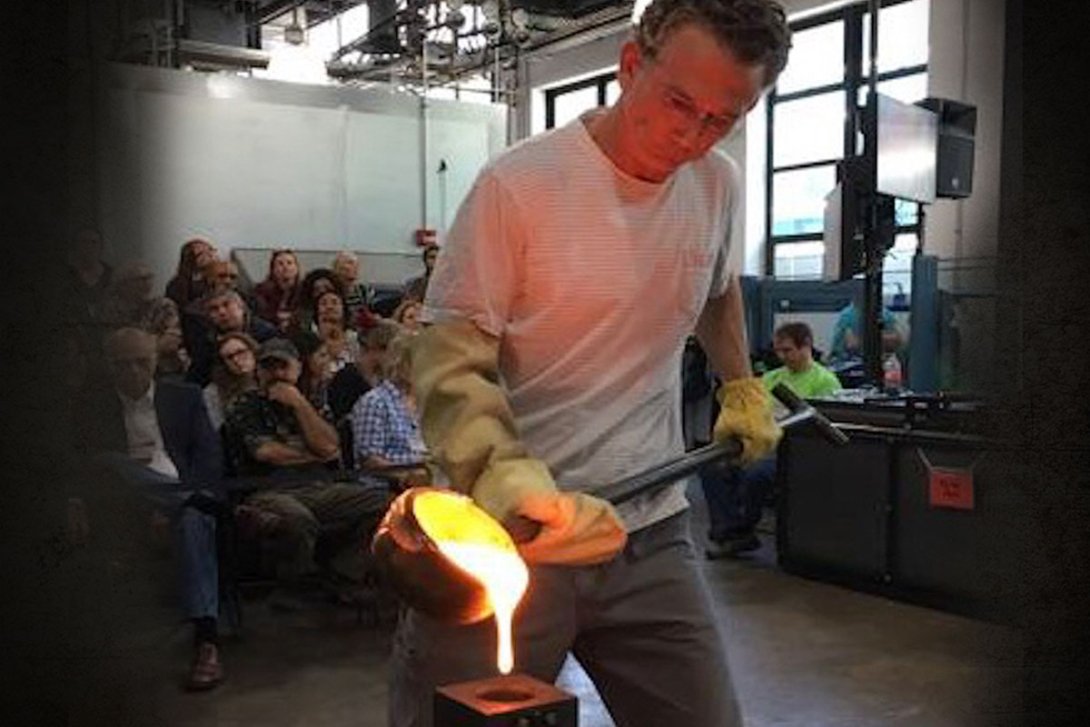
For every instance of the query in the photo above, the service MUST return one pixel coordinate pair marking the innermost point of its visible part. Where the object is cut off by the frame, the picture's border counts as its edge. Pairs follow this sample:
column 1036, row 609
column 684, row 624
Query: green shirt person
column 794, row 345
column 736, row 501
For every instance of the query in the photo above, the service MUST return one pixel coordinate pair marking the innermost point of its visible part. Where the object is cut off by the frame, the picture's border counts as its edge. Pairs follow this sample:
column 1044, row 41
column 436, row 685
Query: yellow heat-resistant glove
column 575, row 528
column 746, row 413
column 469, row 428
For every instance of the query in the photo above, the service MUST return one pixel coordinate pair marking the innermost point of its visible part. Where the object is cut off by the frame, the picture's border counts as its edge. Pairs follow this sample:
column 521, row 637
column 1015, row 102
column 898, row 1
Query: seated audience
column 233, row 374
column 735, row 506
column 793, row 344
column 224, row 312
column 352, row 382
column 278, row 293
column 132, row 303
column 416, row 288
column 190, row 281
column 358, row 296
column 331, row 324
column 277, row 435
column 155, row 436
column 87, row 275
column 317, row 371
column 316, row 283
column 408, row 314
column 385, row 421
column 223, row 275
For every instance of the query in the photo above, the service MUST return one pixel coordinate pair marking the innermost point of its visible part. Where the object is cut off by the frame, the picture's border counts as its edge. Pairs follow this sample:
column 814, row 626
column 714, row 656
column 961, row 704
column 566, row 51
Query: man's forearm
column 467, row 421
column 320, row 436
column 376, row 461
column 721, row 330
column 283, row 455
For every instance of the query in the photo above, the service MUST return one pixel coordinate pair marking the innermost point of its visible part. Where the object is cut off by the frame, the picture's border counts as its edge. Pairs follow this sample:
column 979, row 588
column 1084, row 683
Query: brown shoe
column 207, row 671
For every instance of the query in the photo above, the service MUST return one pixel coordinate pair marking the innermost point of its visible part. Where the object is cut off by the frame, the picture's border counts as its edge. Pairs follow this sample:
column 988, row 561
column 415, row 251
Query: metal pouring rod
column 798, row 407
column 668, row 472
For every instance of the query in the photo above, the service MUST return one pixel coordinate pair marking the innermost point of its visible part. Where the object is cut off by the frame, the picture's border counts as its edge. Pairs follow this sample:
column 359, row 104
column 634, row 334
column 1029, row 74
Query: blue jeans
column 193, row 531
column 735, row 497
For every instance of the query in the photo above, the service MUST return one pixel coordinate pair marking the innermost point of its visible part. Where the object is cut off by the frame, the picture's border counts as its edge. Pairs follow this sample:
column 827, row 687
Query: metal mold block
column 515, row 700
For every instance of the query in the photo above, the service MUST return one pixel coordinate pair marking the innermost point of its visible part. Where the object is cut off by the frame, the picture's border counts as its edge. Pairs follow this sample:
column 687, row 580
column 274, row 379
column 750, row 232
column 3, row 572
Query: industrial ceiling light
column 294, row 33
column 491, row 9
column 455, row 19
column 520, row 18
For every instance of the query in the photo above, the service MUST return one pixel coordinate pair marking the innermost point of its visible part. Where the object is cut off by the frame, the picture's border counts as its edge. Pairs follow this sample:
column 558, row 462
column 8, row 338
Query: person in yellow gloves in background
column 575, row 269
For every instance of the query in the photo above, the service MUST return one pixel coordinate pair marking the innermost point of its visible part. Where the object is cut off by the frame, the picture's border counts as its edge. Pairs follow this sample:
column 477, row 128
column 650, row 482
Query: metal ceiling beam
column 273, row 10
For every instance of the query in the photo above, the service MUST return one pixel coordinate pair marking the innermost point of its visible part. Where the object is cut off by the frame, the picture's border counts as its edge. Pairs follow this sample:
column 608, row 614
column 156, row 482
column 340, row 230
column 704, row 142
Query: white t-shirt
column 592, row 279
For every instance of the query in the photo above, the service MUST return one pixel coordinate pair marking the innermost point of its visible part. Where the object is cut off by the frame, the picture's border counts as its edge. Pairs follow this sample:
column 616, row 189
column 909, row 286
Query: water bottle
column 891, row 373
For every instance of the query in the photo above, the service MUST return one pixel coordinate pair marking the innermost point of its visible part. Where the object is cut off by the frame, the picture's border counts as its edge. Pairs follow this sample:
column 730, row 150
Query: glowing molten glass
column 473, row 541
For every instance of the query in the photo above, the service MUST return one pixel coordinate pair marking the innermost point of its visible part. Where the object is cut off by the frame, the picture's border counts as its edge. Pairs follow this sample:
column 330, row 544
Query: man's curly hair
column 755, row 31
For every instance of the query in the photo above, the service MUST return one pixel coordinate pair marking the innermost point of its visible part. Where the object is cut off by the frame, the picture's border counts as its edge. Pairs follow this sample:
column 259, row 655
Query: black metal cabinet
column 926, row 515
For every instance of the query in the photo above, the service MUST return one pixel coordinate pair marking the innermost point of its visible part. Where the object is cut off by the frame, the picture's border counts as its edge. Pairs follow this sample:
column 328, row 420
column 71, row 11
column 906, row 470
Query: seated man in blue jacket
column 156, row 436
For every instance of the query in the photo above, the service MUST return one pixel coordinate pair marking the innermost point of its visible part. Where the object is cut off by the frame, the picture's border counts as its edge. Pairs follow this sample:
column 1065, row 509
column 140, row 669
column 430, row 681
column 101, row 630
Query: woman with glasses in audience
column 277, row 294
column 232, row 375
column 331, row 325
column 190, row 280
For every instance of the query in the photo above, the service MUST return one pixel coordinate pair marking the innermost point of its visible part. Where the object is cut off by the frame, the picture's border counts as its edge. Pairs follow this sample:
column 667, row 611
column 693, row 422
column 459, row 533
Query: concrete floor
column 802, row 653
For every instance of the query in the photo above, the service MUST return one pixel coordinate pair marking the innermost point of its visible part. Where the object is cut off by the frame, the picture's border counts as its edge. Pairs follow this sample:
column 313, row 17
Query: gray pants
column 642, row 626
column 349, row 512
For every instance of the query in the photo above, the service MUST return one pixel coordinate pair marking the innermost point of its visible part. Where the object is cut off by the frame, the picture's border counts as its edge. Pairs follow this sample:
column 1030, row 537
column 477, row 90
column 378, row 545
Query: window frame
column 855, row 78
column 551, row 94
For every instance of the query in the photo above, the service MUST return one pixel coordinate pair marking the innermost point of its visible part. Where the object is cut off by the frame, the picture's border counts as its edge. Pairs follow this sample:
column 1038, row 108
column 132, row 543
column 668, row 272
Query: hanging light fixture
column 293, row 33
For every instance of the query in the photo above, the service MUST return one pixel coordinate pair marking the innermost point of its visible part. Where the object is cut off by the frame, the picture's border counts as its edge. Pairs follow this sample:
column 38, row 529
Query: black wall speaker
column 957, row 131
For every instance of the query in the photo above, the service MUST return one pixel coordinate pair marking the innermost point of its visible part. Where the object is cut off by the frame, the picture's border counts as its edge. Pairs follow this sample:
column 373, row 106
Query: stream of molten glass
column 478, row 545
column 504, row 577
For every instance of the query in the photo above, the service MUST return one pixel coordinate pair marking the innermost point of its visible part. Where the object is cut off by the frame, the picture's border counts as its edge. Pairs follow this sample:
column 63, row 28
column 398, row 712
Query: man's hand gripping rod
column 671, row 471
column 523, row 530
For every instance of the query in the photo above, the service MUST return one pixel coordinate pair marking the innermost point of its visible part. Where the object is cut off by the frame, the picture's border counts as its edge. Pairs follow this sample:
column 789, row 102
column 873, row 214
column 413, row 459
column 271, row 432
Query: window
column 808, row 116
column 564, row 103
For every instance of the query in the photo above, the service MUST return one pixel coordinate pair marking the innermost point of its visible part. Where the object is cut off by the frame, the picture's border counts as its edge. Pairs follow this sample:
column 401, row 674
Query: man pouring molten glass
column 574, row 271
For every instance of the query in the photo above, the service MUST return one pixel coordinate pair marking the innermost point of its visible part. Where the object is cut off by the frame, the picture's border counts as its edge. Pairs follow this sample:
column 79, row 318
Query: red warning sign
column 951, row 488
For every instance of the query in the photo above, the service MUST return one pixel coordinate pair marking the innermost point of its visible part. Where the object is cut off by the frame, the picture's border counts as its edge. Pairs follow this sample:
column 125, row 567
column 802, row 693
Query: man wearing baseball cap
column 275, row 435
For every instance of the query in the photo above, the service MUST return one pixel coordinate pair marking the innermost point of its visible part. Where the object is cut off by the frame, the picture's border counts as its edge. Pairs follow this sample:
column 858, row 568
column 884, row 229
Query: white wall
column 966, row 63
column 256, row 163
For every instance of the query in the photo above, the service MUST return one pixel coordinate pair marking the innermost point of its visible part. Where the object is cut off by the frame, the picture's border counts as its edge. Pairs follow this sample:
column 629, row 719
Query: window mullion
column 769, row 198
column 854, row 78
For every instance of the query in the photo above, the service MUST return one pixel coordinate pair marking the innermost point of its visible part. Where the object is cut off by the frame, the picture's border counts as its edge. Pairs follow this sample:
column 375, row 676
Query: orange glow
column 480, row 546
